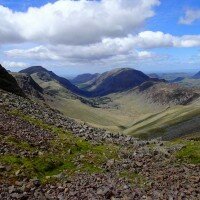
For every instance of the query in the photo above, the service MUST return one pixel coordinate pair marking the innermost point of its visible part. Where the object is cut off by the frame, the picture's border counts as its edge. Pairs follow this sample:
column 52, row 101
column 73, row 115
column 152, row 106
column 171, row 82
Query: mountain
column 173, row 75
column 117, row 80
column 167, row 94
column 48, row 76
column 178, row 79
column 28, row 85
column 153, row 75
column 197, row 76
column 8, row 83
column 190, row 82
column 83, row 78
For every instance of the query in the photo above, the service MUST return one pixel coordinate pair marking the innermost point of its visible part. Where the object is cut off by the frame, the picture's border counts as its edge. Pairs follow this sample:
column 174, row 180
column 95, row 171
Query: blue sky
column 73, row 37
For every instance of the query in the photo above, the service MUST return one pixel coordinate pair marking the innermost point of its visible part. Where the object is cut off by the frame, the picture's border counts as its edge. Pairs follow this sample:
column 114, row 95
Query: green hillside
column 171, row 123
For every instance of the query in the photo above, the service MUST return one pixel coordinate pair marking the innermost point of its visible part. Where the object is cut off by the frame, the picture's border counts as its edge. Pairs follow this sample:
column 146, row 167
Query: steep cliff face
column 8, row 83
column 28, row 85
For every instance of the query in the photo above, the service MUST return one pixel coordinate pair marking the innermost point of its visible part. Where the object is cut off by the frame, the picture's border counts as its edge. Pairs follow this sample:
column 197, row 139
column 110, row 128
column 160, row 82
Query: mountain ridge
column 8, row 82
column 197, row 75
column 113, row 81
column 28, row 85
column 82, row 78
column 117, row 80
column 44, row 73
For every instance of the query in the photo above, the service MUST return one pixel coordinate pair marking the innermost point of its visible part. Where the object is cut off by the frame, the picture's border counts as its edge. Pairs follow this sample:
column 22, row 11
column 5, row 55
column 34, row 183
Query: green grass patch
column 20, row 144
column 134, row 178
column 190, row 153
column 152, row 133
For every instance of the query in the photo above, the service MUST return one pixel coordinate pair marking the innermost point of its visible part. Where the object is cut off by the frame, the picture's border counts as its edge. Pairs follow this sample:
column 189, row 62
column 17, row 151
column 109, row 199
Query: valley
column 153, row 108
column 44, row 154
column 132, row 144
column 99, row 100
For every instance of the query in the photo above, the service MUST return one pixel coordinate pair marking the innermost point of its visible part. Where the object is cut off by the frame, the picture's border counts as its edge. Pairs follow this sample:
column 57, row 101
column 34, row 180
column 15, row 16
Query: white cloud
column 38, row 53
column 13, row 64
column 76, row 54
column 191, row 15
column 107, row 48
column 150, row 39
column 145, row 54
column 74, row 22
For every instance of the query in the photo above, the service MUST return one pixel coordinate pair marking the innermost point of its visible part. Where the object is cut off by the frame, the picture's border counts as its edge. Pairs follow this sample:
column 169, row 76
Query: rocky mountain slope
column 167, row 94
column 58, row 90
column 45, row 155
column 47, row 76
column 8, row 83
column 28, row 85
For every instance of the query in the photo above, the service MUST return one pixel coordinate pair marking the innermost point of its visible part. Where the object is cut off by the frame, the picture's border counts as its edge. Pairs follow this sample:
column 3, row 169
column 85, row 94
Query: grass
column 134, row 178
column 190, row 153
column 20, row 144
column 159, row 125
column 94, row 116
column 67, row 153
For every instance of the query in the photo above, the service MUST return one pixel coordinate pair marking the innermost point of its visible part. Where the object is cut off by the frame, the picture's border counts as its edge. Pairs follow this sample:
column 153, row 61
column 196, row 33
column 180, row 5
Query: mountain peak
column 117, row 80
column 46, row 75
column 33, row 69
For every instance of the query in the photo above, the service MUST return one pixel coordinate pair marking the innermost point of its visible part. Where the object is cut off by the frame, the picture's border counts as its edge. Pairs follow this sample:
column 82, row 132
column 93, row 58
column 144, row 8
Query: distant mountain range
column 189, row 81
column 178, row 79
column 34, row 80
column 117, row 80
column 113, row 81
column 83, row 78
column 197, row 76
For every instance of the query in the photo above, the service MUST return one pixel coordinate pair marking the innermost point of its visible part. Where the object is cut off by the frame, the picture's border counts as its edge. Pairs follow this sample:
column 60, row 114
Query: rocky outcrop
column 167, row 94
column 28, row 85
column 8, row 83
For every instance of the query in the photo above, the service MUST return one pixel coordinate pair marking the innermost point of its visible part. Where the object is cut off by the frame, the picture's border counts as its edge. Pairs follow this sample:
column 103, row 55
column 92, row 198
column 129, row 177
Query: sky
column 73, row 37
